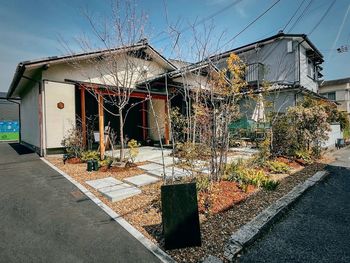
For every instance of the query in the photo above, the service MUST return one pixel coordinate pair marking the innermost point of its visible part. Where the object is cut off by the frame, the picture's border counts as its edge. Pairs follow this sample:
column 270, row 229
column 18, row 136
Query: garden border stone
column 153, row 248
column 248, row 233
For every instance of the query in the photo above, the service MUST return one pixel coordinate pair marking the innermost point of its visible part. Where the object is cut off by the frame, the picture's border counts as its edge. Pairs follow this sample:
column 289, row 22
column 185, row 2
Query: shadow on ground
column 20, row 149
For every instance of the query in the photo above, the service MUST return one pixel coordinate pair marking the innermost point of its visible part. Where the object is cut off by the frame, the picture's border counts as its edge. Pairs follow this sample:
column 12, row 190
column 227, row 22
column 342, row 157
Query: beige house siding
column 30, row 130
column 87, row 72
column 58, row 121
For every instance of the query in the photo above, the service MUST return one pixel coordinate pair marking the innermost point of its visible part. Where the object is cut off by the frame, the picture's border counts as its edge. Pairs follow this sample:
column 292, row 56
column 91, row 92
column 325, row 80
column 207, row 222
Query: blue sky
column 30, row 29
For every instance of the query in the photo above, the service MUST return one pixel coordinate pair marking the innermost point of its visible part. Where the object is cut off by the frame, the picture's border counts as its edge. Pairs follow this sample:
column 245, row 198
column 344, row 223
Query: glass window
column 310, row 68
column 331, row 95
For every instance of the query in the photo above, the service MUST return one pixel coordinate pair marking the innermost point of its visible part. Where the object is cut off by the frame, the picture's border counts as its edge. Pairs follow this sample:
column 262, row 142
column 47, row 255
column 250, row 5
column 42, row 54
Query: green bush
column 106, row 162
column 241, row 172
column 270, row 185
column 277, row 167
column 90, row 155
column 202, row 183
column 304, row 155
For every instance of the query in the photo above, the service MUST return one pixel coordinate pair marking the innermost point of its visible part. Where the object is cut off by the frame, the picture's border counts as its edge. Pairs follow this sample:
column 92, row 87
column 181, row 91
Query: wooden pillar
column 101, row 125
column 144, row 121
column 83, row 115
column 166, row 135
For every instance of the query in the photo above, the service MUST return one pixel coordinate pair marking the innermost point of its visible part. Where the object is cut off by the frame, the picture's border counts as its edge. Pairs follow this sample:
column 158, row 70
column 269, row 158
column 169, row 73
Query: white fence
column 334, row 134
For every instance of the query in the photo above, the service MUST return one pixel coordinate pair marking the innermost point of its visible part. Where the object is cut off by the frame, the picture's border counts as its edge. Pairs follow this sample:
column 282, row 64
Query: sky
column 31, row 29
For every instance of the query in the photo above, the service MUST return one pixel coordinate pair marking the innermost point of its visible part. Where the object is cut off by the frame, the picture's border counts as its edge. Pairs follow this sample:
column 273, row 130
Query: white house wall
column 306, row 80
column 30, row 129
column 58, row 121
column 333, row 135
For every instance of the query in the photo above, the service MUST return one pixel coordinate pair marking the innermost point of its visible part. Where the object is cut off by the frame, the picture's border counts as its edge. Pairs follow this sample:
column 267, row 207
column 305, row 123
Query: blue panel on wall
column 9, row 126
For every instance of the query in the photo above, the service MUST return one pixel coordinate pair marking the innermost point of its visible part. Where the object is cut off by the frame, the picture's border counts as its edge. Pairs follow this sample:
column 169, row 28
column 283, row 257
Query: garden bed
column 231, row 207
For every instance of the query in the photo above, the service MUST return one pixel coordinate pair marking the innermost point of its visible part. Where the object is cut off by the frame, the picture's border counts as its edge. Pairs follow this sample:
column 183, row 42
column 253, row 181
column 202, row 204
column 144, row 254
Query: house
column 288, row 66
column 337, row 90
column 9, row 118
column 58, row 92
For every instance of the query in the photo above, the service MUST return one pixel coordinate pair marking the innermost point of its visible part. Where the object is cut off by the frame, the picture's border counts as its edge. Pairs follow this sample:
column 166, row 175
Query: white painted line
column 164, row 257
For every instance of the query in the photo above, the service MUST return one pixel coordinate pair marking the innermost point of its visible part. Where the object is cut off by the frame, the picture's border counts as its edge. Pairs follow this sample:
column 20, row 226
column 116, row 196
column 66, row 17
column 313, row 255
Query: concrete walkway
column 43, row 218
column 317, row 229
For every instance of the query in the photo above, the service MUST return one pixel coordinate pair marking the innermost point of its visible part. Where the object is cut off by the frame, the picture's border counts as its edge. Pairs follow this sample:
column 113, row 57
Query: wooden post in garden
column 83, row 114
column 101, row 125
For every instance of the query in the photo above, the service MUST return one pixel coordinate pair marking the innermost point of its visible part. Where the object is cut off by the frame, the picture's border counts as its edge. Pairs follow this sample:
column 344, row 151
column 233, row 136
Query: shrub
column 133, row 149
column 244, row 175
column 202, row 183
column 90, row 155
column 277, row 167
column 303, row 127
column 73, row 142
column 270, row 185
column 106, row 162
column 304, row 155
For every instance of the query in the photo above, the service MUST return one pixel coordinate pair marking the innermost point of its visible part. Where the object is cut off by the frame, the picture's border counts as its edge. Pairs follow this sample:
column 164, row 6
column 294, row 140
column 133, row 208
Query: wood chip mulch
column 143, row 210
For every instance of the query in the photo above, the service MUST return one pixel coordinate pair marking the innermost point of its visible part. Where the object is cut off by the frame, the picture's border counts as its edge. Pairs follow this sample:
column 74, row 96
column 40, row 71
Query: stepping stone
column 104, row 182
column 141, row 180
column 167, row 161
column 119, row 192
column 151, row 166
column 168, row 171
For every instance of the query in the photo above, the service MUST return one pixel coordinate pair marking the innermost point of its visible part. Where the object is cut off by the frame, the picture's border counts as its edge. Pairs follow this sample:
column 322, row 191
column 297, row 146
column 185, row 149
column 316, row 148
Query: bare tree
column 123, row 61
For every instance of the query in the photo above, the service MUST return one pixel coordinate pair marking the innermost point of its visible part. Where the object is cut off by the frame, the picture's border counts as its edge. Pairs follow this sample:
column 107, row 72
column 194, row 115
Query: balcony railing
column 254, row 72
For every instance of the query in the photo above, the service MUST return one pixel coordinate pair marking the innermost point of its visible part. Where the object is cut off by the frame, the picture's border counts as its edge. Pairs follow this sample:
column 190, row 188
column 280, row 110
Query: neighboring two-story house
column 337, row 90
column 287, row 65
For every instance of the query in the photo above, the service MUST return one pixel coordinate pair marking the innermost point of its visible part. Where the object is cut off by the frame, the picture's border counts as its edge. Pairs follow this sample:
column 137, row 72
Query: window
column 289, row 46
column 310, row 69
column 329, row 95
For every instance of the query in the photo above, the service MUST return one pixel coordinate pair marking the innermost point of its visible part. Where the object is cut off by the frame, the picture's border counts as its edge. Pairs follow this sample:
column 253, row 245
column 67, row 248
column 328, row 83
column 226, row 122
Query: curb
column 248, row 233
column 153, row 248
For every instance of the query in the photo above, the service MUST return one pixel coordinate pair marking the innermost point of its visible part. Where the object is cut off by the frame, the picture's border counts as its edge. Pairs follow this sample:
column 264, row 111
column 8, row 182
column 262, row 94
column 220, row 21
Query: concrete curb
column 160, row 254
column 248, row 233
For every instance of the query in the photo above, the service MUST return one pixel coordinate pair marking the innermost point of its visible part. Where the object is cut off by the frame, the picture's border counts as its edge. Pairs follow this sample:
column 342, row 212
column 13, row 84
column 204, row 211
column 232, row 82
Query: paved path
column 317, row 229
column 42, row 221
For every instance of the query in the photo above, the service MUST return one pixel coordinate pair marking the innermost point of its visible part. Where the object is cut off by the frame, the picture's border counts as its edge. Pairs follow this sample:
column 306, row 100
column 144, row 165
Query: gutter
column 16, row 79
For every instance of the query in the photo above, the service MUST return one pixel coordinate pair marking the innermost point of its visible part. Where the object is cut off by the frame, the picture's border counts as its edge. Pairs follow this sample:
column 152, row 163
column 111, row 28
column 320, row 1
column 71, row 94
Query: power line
column 301, row 15
column 204, row 19
column 251, row 23
column 296, row 11
column 324, row 15
column 339, row 31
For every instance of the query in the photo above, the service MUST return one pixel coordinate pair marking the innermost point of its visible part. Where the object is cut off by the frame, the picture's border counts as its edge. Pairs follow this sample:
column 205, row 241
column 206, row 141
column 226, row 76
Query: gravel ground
column 217, row 229
column 143, row 211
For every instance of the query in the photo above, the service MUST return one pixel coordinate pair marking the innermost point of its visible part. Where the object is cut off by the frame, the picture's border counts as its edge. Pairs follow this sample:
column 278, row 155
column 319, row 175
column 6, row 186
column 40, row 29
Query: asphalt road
column 317, row 228
column 44, row 219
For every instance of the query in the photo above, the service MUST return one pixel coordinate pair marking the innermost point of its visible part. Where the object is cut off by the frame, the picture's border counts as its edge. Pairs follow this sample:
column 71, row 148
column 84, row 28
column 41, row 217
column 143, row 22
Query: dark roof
column 262, row 41
column 22, row 65
column 335, row 82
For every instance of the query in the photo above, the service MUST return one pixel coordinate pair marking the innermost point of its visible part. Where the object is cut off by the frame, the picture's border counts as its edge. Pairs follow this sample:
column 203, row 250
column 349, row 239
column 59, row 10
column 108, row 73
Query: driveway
column 43, row 218
column 317, row 228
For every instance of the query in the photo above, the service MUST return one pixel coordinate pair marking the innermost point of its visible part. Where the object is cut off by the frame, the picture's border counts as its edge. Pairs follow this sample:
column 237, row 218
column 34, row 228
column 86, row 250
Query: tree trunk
column 121, row 133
